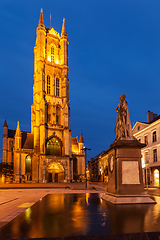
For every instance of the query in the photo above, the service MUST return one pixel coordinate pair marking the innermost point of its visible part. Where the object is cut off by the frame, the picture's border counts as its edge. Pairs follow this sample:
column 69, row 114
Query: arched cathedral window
column 48, row 84
column 28, row 164
column 52, row 54
column 53, row 147
column 57, row 87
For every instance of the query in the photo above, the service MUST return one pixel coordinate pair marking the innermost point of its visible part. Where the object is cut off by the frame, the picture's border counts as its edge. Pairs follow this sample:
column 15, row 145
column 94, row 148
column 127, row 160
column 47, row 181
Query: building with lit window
column 149, row 133
column 47, row 153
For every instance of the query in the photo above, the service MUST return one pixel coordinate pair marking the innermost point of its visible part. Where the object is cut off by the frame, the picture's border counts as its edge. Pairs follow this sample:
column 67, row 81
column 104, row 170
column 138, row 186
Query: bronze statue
column 123, row 125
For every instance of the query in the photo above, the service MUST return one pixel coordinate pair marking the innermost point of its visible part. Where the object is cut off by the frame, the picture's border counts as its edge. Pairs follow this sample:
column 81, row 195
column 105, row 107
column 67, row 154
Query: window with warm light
column 53, row 147
column 155, row 155
column 28, row 164
column 48, row 84
column 57, row 87
column 156, row 177
column 154, row 136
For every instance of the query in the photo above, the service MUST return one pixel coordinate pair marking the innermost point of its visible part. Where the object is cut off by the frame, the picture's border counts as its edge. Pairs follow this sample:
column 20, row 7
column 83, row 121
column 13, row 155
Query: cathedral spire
column 5, row 123
column 81, row 138
column 63, row 33
column 18, row 131
column 41, row 21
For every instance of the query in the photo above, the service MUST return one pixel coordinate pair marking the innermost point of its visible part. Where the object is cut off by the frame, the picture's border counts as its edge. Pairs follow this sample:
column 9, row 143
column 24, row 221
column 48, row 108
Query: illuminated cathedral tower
column 54, row 155
column 50, row 112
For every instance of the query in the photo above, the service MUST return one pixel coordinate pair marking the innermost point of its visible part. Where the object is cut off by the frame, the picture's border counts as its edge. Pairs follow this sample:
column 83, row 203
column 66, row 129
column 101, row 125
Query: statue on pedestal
column 123, row 124
column 125, row 176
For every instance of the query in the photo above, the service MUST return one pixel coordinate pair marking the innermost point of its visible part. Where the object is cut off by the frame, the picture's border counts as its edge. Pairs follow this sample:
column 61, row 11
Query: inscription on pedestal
column 130, row 172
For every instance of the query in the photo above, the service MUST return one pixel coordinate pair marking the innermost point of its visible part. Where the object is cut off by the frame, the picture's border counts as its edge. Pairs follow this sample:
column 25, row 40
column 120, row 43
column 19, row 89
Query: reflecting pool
column 62, row 215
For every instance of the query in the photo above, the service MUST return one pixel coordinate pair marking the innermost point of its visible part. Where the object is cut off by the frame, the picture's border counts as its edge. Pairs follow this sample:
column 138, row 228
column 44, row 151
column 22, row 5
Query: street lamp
column 85, row 149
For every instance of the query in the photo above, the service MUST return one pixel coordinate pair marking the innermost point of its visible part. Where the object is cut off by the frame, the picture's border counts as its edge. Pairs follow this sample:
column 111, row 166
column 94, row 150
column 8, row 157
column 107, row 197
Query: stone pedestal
column 125, row 181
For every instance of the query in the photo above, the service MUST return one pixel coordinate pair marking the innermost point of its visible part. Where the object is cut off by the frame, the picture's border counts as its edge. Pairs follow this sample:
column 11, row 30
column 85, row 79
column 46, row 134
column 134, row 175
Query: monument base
column 117, row 199
column 125, row 168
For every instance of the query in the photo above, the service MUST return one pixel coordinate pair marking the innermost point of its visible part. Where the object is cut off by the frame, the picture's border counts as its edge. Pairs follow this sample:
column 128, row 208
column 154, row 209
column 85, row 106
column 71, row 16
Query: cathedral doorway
column 50, row 177
column 56, row 177
column 55, row 172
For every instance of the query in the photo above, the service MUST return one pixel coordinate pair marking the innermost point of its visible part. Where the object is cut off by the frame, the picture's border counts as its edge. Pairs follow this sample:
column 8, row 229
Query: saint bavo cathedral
column 48, row 153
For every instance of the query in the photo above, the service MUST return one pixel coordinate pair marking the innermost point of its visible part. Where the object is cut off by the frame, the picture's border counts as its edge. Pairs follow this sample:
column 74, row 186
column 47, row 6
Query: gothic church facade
column 48, row 153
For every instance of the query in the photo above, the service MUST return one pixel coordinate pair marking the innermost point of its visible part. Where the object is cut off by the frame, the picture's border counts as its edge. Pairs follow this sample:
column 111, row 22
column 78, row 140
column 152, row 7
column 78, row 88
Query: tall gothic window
column 52, row 54
column 48, row 84
column 28, row 164
column 57, row 87
column 53, row 147
column 58, row 115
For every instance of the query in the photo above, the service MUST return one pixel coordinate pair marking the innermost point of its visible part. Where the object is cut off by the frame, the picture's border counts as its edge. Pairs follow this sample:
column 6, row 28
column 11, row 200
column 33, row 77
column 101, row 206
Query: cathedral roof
column 27, row 140
column 11, row 133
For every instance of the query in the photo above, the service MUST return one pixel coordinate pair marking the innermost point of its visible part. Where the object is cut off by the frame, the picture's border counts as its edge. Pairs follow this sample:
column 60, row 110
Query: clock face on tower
column 111, row 164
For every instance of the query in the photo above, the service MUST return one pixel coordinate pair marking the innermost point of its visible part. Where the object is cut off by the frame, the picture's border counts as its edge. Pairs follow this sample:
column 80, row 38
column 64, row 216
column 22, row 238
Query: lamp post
column 85, row 149
column 147, row 178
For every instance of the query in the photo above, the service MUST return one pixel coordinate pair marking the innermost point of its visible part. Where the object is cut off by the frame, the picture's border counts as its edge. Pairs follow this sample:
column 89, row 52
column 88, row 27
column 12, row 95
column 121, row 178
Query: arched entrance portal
column 156, row 177
column 55, row 172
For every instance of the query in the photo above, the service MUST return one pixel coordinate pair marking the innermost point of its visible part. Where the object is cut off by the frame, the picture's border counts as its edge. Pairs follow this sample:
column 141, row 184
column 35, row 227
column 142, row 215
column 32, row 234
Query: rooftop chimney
column 151, row 116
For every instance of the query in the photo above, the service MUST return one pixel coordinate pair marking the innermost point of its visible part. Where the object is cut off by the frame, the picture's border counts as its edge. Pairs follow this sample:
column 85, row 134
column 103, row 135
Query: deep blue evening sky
column 114, row 48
